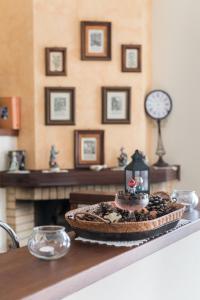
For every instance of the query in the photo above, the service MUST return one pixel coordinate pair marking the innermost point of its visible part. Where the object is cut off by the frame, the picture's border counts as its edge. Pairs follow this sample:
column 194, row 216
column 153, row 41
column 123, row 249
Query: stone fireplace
column 24, row 206
column 43, row 198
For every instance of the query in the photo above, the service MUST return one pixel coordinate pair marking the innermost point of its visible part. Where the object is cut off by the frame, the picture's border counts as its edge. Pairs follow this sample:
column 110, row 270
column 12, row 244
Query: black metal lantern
column 138, row 170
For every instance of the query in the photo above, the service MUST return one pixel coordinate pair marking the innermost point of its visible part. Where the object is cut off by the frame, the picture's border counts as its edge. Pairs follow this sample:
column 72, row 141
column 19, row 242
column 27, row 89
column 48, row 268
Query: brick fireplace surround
column 24, row 189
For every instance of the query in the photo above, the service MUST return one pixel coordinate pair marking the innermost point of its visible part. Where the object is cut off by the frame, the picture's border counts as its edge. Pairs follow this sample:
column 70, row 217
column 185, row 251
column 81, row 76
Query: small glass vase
column 49, row 242
column 189, row 198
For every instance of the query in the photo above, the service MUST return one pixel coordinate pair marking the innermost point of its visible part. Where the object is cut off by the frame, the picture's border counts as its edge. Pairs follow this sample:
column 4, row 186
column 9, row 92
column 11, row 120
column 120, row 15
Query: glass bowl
column 137, row 202
column 189, row 198
column 49, row 242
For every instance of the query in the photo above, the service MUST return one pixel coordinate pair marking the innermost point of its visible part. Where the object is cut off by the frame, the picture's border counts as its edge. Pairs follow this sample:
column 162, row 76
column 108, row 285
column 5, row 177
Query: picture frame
column 95, row 40
column 55, row 61
column 59, row 105
column 88, row 148
column 116, row 105
column 131, row 58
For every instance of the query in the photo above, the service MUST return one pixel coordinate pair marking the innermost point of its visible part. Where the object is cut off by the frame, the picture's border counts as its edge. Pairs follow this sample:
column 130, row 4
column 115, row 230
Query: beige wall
column 57, row 23
column 16, row 64
column 176, row 68
column 16, row 79
column 29, row 27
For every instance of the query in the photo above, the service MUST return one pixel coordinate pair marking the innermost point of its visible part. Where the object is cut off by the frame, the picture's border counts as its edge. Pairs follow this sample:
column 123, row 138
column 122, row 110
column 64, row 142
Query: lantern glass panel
column 129, row 176
column 144, row 186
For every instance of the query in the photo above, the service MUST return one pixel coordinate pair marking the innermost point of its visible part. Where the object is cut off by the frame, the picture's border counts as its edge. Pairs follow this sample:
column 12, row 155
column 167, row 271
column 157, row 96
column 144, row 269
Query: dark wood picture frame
column 107, row 27
column 48, row 70
column 104, row 97
column 124, row 67
column 79, row 162
column 48, row 118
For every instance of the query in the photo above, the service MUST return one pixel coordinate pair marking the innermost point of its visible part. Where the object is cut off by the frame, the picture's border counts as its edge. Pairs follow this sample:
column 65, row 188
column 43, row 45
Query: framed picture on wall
column 116, row 105
column 88, row 148
column 131, row 58
column 95, row 40
column 55, row 61
column 60, row 105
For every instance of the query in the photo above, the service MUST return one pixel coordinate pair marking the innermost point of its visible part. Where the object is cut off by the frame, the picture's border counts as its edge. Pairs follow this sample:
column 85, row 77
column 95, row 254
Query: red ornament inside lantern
column 132, row 183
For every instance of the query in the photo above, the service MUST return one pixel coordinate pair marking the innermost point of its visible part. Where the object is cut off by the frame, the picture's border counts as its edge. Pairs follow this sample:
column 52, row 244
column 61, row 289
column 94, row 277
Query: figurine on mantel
column 17, row 162
column 123, row 158
column 52, row 160
column 14, row 163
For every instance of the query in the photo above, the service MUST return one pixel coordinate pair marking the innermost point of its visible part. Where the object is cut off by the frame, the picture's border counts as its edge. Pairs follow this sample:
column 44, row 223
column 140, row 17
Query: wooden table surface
column 23, row 276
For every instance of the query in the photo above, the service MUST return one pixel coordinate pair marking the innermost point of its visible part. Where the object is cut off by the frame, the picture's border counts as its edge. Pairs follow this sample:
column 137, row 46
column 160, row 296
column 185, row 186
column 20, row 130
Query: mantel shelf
column 8, row 132
column 37, row 179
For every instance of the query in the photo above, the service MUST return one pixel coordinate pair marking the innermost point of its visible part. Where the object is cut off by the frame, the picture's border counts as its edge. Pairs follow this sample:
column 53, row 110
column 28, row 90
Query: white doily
column 182, row 222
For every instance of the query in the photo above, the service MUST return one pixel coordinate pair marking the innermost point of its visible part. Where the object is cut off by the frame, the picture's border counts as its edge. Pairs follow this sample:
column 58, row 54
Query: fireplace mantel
column 38, row 179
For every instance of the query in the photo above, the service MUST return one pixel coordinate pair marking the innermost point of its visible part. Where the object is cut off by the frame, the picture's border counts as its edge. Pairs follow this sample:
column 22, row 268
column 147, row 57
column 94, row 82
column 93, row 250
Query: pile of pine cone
column 158, row 206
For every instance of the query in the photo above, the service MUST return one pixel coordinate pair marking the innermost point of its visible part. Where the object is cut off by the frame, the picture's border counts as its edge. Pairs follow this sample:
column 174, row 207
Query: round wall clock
column 158, row 104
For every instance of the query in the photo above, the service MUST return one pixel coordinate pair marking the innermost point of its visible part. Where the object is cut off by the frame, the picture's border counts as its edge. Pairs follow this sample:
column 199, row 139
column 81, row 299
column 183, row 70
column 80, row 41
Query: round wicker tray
column 126, row 227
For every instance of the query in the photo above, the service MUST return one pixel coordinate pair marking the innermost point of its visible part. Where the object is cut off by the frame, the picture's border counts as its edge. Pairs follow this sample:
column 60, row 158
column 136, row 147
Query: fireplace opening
column 51, row 212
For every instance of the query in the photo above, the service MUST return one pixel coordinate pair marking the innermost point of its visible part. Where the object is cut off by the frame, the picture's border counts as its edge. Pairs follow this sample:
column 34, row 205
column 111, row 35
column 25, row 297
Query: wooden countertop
column 23, row 276
column 37, row 179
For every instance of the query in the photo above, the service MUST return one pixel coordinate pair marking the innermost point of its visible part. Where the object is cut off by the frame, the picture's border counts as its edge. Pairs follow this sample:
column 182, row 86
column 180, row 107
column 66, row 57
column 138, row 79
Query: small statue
column 52, row 159
column 14, row 164
column 123, row 158
column 22, row 161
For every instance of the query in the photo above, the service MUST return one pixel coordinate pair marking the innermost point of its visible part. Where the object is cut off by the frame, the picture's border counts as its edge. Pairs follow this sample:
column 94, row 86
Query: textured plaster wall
column 28, row 26
column 16, row 64
column 57, row 23
column 16, row 79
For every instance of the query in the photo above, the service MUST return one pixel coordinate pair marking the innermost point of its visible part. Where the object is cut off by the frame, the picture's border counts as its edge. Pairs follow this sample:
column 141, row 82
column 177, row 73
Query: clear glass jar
column 49, row 242
column 189, row 198
column 131, row 202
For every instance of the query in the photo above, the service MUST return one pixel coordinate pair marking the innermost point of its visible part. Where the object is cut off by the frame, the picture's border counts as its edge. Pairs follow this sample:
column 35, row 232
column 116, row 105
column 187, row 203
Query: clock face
column 158, row 104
